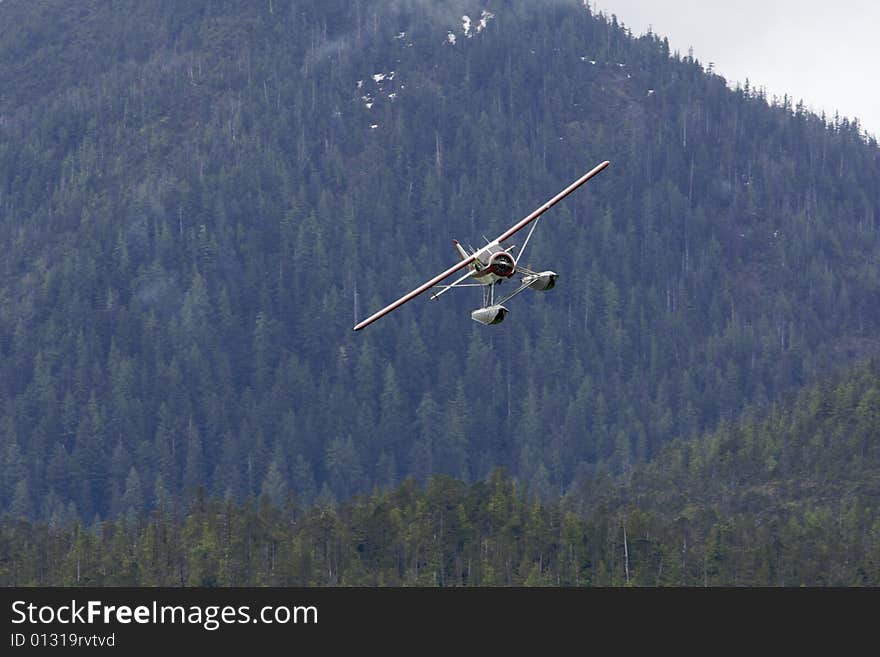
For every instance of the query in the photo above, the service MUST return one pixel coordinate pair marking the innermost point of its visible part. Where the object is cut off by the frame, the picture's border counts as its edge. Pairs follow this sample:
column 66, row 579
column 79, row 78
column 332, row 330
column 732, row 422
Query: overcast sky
column 826, row 53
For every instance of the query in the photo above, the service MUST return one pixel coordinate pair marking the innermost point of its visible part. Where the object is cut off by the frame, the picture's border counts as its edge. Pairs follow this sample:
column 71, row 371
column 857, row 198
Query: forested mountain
column 198, row 199
column 782, row 496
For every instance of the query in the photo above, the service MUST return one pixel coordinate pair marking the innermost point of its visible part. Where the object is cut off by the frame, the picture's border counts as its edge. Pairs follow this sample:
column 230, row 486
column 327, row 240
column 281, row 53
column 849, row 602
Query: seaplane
column 491, row 265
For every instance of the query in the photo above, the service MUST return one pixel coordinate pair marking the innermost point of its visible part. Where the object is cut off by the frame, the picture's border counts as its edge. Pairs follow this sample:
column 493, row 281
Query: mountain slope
column 793, row 487
column 786, row 496
column 193, row 217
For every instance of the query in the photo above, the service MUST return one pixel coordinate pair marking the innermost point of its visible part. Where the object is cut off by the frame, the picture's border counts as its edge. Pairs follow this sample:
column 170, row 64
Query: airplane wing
column 412, row 295
column 522, row 223
column 525, row 221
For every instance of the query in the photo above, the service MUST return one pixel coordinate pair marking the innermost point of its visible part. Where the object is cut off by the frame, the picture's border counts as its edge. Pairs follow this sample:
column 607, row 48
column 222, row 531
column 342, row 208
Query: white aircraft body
column 490, row 265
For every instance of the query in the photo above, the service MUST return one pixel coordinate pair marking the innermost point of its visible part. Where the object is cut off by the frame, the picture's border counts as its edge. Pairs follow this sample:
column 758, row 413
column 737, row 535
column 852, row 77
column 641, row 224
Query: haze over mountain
column 198, row 200
column 823, row 53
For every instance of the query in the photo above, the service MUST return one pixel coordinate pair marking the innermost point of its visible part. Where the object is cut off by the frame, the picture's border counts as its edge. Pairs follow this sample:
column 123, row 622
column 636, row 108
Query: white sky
column 827, row 54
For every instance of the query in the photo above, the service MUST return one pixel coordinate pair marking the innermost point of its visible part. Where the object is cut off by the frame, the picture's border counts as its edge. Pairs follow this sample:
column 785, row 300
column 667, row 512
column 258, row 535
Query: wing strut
column 526, row 243
column 411, row 295
column 456, row 283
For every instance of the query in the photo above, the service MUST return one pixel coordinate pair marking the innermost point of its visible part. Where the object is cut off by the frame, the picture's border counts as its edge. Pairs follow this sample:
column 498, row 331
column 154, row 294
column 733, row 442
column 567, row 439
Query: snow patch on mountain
column 485, row 17
column 470, row 28
column 383, row 88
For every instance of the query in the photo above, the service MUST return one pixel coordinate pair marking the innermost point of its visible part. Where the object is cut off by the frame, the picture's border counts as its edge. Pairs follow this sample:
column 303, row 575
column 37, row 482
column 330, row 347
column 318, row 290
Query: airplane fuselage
column 493, row 264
